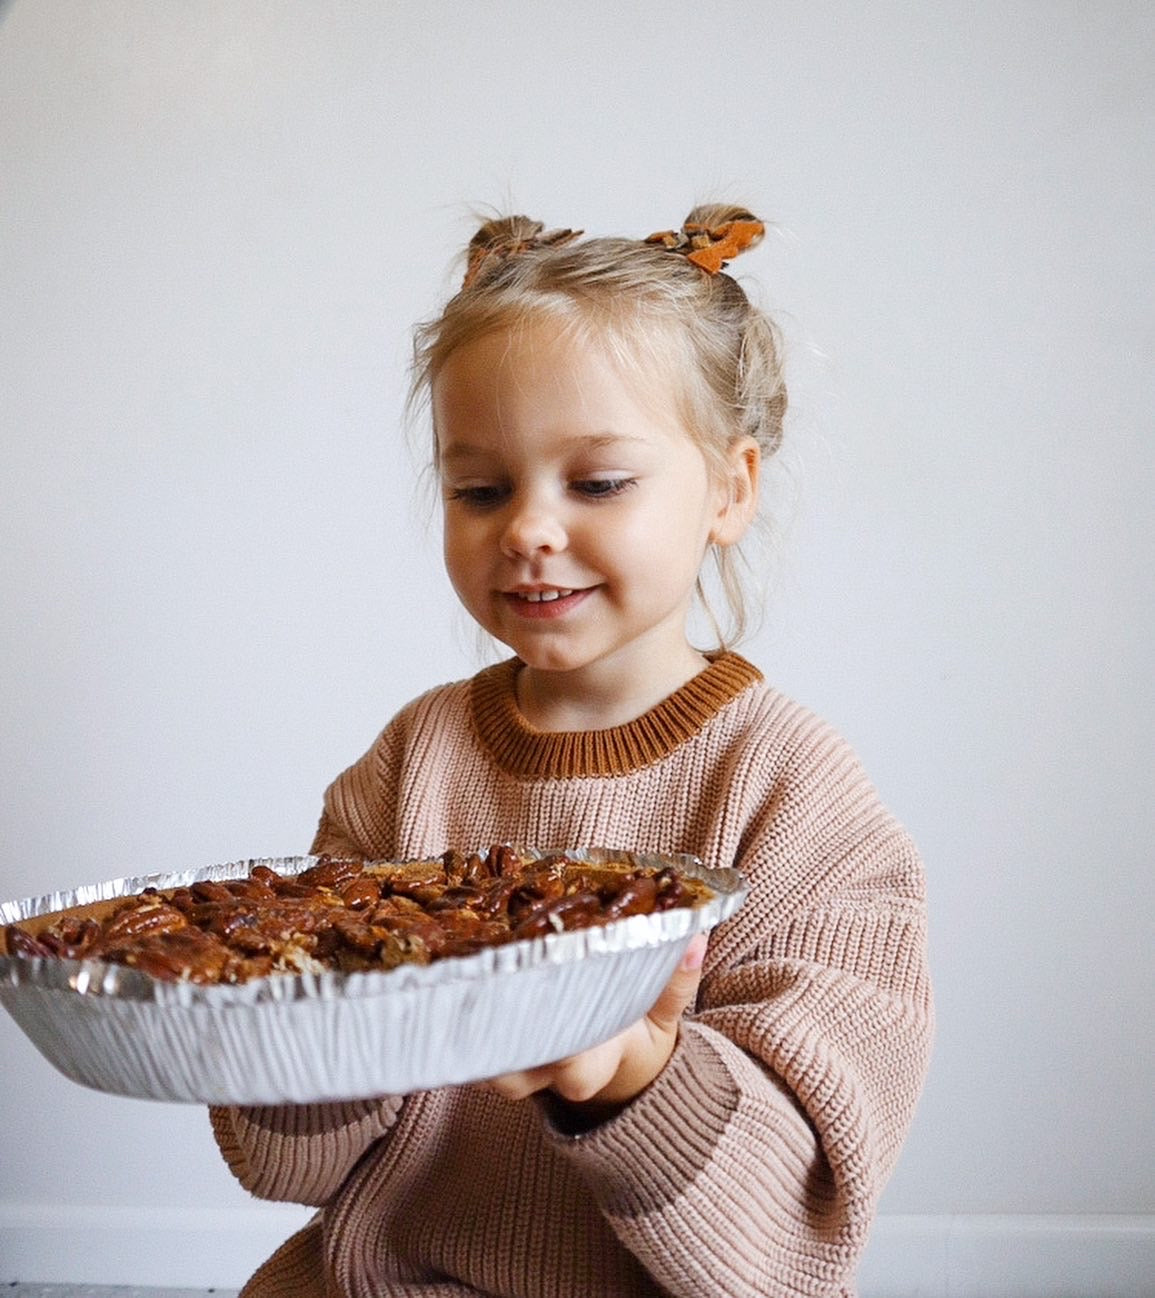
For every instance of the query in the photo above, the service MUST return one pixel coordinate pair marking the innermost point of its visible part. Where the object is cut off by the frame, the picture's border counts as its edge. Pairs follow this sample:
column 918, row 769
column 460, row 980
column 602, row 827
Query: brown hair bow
column 711, row 247
column 498, row 240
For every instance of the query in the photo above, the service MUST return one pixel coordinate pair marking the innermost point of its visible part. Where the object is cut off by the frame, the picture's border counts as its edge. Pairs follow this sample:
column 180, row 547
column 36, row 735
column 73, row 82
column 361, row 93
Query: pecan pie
column 352, row 915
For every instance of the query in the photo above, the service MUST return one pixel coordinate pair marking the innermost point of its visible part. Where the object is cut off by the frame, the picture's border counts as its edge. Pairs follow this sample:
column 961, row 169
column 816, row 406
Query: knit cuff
column 646, row 1156
column 299, row 1153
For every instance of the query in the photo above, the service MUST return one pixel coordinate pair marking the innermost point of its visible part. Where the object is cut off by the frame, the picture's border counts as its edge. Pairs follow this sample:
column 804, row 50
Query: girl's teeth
column 544, row 596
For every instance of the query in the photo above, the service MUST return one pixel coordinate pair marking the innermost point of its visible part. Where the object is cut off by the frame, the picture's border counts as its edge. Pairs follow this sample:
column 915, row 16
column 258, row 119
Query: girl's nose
column 531, row 529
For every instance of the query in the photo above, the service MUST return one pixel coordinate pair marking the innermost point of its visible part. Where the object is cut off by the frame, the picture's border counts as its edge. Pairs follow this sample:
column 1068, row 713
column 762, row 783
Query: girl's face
column 577, row 515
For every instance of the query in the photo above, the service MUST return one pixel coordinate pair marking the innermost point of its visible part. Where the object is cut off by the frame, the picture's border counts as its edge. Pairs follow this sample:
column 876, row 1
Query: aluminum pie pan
column 303, row 1038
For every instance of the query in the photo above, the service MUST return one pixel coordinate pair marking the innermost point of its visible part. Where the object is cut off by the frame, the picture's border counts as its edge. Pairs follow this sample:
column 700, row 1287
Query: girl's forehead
column 526, row 343
column 572, row 362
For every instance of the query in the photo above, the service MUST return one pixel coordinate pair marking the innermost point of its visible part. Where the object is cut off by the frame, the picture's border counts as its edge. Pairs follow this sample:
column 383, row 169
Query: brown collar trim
column 521, row 750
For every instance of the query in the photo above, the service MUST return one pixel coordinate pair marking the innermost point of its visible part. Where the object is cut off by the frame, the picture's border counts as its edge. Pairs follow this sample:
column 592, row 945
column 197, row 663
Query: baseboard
column 908, row 1257
column 168, row 1247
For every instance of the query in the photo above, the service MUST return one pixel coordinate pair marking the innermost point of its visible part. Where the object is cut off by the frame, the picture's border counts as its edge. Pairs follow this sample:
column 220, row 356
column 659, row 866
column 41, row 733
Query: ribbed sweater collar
column 521, row 750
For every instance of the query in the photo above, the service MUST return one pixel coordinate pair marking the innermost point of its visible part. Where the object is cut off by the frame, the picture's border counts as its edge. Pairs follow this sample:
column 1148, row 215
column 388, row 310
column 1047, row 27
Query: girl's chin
column 547, row 663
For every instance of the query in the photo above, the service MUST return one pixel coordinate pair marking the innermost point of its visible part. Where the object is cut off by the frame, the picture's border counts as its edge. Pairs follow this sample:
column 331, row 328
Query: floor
column 18, row 1290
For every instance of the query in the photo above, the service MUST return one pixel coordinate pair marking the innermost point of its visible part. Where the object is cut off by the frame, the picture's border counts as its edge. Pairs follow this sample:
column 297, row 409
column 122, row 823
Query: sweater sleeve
column 753, row 1165
column 359, row 814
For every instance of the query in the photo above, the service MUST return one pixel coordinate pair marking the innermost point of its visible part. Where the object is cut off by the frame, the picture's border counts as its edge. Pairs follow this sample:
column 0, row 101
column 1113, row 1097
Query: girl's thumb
column 682, row 989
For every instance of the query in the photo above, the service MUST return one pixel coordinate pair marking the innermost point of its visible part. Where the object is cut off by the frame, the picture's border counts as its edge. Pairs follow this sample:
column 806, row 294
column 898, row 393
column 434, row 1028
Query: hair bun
column 712, row 235
column 507, row 236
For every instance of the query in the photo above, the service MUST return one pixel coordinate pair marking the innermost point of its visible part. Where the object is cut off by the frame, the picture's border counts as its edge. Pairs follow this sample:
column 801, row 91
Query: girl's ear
column 740, row 492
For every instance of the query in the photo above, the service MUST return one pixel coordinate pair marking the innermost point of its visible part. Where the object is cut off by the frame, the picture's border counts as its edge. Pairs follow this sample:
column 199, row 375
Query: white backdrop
column 219, row 220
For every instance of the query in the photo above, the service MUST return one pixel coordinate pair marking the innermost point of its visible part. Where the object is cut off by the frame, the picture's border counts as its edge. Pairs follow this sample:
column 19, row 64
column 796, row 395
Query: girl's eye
column 601, row 488
column 482, row 497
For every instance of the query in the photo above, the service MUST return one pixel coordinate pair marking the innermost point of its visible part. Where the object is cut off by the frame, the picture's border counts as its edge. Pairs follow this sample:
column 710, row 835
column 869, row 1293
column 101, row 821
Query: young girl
column 600, row 412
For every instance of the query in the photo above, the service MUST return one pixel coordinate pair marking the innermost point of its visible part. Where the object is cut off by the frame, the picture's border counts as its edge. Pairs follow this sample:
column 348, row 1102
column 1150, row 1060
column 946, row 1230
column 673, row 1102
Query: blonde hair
column 655, row 313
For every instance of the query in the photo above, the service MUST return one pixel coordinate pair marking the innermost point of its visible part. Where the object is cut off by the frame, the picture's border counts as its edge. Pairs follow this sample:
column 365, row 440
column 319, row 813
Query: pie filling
column 353, row 915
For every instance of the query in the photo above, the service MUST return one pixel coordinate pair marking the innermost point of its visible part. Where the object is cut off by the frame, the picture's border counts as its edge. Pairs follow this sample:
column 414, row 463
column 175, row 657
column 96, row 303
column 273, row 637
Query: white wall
column 218, row 221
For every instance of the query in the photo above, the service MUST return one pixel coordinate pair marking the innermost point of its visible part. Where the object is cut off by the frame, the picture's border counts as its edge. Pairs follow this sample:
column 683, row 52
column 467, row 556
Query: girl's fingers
column 520, row 1086
column 627, row 1062
column 581, row 1078
column 681, row 991
column 576, row 1079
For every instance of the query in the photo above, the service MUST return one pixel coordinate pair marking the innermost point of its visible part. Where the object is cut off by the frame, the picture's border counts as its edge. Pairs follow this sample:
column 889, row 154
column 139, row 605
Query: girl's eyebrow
column 456, row 451
column 461, row 451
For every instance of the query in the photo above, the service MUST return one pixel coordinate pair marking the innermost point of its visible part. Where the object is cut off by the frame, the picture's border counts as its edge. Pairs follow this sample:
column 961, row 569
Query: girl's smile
column 544, row 603
column 577, row 514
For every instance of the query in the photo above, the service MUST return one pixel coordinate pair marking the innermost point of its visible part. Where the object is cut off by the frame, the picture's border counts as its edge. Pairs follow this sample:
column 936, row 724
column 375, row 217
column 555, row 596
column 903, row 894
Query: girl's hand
column 604, row 1079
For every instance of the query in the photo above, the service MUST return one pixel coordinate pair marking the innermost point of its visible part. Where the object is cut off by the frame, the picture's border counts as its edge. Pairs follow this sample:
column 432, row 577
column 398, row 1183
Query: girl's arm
column 753, row 1164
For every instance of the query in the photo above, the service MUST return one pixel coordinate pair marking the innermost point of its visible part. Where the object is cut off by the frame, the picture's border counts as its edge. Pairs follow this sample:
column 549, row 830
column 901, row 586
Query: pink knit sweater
column 752, row 1166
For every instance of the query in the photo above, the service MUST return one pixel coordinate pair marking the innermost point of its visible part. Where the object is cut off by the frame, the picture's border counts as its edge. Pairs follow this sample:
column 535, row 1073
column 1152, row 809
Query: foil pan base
column 309, row 1038
column 304, row 1051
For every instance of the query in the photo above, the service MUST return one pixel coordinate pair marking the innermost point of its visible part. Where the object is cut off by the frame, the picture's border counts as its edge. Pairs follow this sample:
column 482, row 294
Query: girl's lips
column 538, row 605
